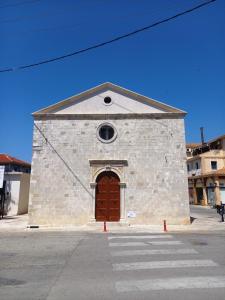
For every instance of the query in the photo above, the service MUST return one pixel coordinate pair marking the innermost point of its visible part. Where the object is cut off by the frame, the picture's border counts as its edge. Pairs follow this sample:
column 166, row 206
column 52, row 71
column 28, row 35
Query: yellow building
column 206, row 172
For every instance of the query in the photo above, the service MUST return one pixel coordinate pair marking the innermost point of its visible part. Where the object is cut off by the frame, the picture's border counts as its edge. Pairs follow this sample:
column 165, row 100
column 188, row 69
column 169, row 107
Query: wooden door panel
column 114, row 212
column 103, row 196
column 114, row 196
column 113, row 216
column 114, row 204
column 107, row 202
column 101, row 205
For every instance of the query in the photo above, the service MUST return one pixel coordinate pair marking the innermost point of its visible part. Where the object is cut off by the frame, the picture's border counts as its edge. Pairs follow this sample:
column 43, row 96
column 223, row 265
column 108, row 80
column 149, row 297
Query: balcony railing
column 196, row 172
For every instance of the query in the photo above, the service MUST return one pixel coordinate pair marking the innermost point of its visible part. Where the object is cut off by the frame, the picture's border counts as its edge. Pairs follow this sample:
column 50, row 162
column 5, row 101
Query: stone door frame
column 116, row 166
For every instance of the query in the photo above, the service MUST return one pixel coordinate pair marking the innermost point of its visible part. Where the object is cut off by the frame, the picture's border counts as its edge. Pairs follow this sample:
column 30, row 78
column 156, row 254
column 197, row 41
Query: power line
column 109, row 41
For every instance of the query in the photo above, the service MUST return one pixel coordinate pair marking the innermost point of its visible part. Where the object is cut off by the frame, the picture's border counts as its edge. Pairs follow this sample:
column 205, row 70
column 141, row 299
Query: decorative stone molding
column 108, row 162
column 117, row 166
column 118, row 116
column 114, row 133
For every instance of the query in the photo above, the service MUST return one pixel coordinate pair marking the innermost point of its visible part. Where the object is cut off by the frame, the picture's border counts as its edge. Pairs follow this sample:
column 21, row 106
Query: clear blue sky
column 181, row 63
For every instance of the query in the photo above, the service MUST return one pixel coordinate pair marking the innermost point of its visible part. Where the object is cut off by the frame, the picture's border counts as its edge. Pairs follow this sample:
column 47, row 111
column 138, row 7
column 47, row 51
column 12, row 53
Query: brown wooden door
column 107, row 201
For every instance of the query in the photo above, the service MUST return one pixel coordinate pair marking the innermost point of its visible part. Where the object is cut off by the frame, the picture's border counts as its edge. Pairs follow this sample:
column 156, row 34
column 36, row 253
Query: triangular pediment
column 121, row 101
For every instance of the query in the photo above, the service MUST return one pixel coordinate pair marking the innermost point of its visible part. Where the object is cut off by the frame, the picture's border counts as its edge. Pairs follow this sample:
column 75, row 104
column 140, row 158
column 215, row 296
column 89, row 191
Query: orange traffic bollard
column 164, row 225
column 105, row 230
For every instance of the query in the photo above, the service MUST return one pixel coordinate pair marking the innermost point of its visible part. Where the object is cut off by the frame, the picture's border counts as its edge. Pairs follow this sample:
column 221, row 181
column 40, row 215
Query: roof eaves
column 215, row 139
column 67, row 100
column 113, row 87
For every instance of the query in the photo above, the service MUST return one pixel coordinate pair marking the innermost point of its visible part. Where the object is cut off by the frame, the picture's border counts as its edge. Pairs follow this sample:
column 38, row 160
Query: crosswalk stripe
column 171, row 284
column 162, row 236
column 146, row 265
column 128, row 244
column 153, row 252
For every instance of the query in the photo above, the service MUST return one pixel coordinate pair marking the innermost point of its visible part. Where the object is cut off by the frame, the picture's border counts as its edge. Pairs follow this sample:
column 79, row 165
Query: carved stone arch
column 97, row 166
column 107, row 197
column 104, row 169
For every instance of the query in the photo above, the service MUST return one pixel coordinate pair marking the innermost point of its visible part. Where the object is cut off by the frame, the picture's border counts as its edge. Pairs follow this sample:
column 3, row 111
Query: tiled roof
column 192, row 145
column 7, row 159
column 197, row 145
column 217, row 138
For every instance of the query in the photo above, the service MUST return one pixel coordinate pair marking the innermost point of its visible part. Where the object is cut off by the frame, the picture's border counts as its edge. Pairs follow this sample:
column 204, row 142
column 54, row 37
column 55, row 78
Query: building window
column 196, row 166
column 107, row 100
column 106, row 133
column 188, row 167
column 214, row 165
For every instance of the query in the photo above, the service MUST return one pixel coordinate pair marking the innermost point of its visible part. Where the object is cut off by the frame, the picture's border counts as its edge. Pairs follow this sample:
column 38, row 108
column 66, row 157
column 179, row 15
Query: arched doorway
column 107, row 198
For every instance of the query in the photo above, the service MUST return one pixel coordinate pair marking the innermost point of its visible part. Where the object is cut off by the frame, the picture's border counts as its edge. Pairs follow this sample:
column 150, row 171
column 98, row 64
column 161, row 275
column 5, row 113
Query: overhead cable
column 107, row 42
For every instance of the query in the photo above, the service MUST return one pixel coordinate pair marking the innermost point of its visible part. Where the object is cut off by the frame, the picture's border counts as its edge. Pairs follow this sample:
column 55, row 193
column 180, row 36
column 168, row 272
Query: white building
column 15, row 184
column 108, row 154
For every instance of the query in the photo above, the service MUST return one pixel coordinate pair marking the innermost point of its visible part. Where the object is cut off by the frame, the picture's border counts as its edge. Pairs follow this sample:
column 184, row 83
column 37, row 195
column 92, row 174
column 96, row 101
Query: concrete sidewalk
column 14, row 223
column 202, row 218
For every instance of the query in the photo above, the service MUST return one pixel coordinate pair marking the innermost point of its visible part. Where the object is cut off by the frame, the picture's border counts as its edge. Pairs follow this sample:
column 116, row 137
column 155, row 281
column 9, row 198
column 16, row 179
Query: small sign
column 131, row 214
column 2, row 171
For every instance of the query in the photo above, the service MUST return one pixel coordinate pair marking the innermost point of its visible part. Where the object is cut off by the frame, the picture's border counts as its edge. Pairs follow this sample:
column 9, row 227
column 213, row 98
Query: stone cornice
column 105, row 162
column 108, row 116
column 105, row 87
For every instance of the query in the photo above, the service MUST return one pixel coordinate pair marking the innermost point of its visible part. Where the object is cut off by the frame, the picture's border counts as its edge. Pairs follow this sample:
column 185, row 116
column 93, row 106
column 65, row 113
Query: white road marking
column 166, row 243
column 146, row 265
column 171, row 284
column 162, row 236
column 128, row 244
column 153, row 252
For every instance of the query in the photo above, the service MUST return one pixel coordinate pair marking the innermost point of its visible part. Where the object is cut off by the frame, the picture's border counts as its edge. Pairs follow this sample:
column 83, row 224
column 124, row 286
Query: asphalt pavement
column 131, row 264
column 202, row 219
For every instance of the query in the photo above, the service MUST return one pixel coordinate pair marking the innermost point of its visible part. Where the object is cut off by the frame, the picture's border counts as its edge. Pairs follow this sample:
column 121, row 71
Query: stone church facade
column 108, row 154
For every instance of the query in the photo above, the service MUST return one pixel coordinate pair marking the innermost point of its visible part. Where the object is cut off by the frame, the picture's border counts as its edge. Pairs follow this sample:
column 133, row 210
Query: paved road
column 207, row 212
column 128, row 265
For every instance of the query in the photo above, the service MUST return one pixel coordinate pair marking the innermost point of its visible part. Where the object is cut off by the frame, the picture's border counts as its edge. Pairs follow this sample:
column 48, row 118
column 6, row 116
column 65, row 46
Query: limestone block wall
column 155, row 175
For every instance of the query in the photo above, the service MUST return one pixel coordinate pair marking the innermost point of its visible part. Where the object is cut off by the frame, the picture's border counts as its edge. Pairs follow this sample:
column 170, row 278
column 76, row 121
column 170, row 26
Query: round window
column 107, row 100
column 106, row 133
